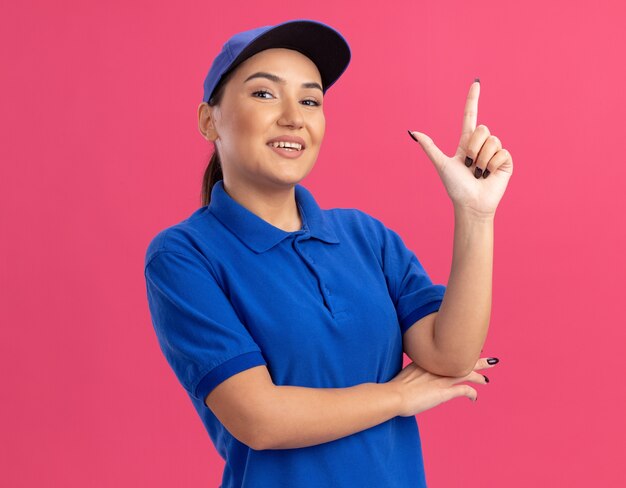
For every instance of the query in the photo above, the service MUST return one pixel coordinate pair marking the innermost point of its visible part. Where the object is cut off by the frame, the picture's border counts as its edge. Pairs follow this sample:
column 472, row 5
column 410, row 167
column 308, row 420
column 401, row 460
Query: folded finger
column 498, row 159
column 474, row 377
column 475, row 143
column 458, row 391
column 486, row 362
column 491, row 146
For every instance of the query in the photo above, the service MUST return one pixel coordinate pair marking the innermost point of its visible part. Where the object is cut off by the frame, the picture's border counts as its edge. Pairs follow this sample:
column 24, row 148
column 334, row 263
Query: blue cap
column 325, row 46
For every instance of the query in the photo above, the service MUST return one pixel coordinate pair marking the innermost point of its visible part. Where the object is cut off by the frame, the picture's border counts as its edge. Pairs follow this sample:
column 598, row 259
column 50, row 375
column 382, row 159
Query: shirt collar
column 258, row 234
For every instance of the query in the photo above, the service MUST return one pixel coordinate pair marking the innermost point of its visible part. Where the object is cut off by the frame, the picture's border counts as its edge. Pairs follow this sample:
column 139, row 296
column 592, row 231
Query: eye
column 314, row 103
column 261, row 91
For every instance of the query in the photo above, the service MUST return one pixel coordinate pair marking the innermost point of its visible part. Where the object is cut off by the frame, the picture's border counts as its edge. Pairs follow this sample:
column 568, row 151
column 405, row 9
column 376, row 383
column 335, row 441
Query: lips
column 287, row 138
column 286, row 145
column 286, row 153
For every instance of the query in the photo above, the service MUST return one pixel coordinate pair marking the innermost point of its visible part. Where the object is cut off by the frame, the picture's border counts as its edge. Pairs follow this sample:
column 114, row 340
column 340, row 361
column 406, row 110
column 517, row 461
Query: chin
column 288, row 178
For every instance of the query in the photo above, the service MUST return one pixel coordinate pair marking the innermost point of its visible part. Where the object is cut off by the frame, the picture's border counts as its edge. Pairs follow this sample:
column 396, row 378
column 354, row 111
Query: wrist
column 394, row 393
column 469, row 214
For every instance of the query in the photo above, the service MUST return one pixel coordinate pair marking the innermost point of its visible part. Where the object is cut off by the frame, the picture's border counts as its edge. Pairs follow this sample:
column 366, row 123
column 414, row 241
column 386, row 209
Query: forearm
column 302, row 417
column 463, row 319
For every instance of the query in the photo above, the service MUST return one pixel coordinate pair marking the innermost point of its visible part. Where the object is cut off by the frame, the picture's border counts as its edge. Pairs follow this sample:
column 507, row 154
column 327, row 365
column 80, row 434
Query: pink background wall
column 100, row 150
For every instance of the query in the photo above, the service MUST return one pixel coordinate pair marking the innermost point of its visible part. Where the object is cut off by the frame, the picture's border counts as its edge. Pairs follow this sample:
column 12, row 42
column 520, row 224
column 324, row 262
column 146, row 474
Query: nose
column 291, row 115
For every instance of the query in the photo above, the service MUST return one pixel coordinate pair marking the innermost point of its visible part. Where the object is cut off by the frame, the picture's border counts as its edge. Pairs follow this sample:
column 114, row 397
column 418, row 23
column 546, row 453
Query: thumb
column 430, row 148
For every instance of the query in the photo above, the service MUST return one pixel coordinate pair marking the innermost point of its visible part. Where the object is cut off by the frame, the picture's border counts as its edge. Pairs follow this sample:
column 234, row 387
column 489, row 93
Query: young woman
column 286, row 323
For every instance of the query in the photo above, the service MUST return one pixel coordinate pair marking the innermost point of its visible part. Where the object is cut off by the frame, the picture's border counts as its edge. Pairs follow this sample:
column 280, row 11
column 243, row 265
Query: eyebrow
column 277, row 79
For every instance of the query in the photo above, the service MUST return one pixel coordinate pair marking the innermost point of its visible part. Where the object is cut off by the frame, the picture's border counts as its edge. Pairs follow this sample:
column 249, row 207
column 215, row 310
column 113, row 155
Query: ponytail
column 212, row 174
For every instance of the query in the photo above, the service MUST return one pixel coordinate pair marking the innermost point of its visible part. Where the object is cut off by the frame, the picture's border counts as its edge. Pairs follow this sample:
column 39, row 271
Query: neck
column 277, row 206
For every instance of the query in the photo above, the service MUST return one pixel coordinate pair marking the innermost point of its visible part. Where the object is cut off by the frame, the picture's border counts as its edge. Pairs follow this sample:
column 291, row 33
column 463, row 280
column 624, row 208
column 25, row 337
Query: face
column 258, row 109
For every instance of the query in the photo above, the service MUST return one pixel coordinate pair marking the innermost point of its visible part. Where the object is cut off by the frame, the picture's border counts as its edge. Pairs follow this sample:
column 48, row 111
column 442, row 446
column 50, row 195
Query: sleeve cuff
column 419, row 313
column 226, row 370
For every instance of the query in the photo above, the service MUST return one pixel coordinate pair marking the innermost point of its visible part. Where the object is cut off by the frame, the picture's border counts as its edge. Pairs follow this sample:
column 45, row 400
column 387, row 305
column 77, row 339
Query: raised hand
column 480, row 188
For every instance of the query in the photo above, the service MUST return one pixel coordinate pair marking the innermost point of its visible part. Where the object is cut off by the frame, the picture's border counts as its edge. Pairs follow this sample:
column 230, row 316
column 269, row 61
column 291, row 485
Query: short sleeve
column 410, row 287
column 197, row 328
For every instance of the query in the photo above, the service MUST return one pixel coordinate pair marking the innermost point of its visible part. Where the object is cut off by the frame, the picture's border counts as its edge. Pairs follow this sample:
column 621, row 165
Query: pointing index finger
column 471, row 110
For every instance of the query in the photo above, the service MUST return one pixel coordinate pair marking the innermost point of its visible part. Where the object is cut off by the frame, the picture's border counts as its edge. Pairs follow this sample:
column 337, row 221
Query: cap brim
column 325, row 46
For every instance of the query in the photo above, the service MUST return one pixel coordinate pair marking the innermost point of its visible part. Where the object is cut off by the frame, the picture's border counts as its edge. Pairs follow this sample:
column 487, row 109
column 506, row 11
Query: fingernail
column 477, row 79
column 486, row 173
column 468, row 161
column 486, row 379
column 492, row 360
column 478, row 172
column 412, row 136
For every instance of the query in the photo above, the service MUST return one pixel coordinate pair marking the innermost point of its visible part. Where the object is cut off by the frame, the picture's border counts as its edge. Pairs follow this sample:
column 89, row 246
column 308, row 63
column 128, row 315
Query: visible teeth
column 293, row 145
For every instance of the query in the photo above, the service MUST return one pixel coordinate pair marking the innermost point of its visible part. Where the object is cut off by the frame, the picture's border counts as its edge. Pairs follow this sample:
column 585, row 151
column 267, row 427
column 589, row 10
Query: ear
column 206, row 121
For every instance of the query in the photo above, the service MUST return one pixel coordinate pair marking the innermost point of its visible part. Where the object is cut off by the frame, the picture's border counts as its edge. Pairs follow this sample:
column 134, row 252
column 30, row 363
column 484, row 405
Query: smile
column 292, row 145
column 286, row 152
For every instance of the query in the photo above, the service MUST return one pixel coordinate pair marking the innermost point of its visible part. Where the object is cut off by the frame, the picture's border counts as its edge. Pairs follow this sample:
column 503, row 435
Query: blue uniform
column 321, row 307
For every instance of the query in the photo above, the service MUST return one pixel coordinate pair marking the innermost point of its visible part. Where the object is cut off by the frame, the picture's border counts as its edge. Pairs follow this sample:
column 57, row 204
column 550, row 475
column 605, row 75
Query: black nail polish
column 412, row 136
column 492, row 360
column 478, row 172
column 468, row 161
column 486, row 173
column 486, row 379
column 477, row 79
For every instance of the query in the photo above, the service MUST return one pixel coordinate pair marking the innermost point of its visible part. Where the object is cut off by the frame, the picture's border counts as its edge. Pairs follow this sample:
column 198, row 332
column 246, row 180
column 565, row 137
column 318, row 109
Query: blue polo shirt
column 321, row 307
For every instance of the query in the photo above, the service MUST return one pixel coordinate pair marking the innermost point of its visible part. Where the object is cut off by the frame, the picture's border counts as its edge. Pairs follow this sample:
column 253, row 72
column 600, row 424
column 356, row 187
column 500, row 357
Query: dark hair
column 213, row 171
